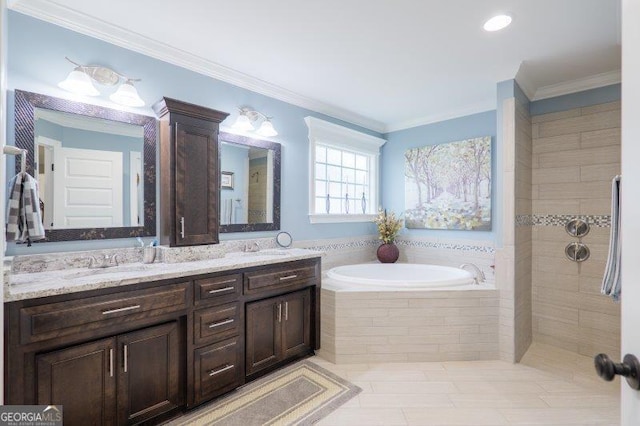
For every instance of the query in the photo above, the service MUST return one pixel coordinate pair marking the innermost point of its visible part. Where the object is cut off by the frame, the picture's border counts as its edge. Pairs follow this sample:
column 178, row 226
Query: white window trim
column 330, row 134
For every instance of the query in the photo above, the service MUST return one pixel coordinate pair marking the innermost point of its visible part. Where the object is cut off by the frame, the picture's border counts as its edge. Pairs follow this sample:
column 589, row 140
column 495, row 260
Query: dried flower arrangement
column 388, row 226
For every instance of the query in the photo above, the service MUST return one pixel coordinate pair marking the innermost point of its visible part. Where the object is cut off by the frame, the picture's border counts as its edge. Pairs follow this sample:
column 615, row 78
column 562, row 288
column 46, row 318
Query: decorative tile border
column 344, row 245
column 403, row 243
column 599, row 221
column 445, row 246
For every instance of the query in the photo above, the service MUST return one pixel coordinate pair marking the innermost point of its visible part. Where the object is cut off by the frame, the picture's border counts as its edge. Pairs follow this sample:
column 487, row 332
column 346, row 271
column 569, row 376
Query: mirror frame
column 25, row 104
column 256, row 143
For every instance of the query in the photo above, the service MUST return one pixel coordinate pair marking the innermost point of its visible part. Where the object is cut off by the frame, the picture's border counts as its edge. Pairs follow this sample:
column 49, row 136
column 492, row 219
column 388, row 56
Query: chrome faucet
column 251, row 247
column 479, row 275
column 103, row 262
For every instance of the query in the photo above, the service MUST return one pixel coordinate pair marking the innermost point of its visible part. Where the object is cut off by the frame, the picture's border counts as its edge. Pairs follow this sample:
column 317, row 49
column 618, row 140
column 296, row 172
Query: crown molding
column 488, row 105
column 578, row 85
column 54, row 13
column 526, row 85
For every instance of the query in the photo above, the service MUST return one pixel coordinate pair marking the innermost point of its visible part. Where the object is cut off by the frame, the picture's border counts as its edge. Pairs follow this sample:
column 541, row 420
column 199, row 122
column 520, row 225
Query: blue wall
column 392, row 177
column 36, row 63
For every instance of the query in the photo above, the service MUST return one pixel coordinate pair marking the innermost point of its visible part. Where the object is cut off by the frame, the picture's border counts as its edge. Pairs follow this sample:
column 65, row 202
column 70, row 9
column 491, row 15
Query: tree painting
column 448, row 186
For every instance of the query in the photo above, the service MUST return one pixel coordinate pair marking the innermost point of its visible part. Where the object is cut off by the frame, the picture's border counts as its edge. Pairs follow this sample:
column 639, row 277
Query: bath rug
column 300, row 394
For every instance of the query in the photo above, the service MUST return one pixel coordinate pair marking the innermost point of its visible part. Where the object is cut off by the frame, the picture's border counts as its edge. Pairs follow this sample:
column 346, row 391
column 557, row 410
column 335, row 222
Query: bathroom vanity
column 140, row 343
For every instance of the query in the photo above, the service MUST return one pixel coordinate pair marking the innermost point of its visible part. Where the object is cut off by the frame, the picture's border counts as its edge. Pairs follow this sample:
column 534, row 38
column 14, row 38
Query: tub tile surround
column 413, row 326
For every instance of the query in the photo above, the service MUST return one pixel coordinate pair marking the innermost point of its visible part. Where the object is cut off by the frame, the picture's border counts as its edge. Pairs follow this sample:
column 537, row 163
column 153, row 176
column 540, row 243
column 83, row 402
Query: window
column 343, row 173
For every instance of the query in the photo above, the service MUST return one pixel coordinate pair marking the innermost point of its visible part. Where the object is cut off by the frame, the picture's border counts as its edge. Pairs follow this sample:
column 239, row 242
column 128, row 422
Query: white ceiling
column 384, row 64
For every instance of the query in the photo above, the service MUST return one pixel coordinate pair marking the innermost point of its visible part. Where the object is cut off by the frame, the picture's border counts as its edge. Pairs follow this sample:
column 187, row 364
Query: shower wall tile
column 556, row 144
column 556, row 175
column 579, row 124
column 609, row 106
column 600, row 138
column 598, row 206
column 580, row 157
column 555, row 116
column 576, row 154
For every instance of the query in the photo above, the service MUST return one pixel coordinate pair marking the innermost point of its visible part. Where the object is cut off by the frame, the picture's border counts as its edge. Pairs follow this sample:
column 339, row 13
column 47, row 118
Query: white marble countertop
column 41, row 284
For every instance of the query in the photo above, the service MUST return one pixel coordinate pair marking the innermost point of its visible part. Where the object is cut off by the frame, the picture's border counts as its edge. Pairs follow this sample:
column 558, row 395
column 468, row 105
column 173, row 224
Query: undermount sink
column 109, row 270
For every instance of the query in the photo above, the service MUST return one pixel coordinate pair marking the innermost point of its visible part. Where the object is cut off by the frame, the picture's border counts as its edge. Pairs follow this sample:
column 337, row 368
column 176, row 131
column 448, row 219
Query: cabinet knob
column 628, row 368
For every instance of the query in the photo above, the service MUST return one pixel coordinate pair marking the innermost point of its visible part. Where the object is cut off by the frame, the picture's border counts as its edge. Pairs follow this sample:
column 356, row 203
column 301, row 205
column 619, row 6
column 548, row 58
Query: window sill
column 341, row 218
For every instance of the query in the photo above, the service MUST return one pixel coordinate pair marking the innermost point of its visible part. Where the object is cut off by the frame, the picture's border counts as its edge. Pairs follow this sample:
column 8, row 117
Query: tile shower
column 575, row 154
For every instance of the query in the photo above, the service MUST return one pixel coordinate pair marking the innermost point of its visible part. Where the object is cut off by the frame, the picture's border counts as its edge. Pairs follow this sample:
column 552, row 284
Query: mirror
column 95, row 167
column 249, row 184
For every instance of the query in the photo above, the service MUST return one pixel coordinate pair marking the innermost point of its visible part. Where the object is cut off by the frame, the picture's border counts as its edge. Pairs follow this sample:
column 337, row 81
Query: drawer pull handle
column 182, row 227
column 126, row 356
column 220, row 370
column 221, row 323
column 114, row 311
column 279, row 312
column 286, row 311
column 220, row 290
column 228, row 345
column 110, row 362
column 289, row 277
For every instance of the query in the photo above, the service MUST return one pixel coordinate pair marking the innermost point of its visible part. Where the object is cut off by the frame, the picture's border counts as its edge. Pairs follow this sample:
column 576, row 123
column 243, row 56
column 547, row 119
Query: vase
column 388, row 253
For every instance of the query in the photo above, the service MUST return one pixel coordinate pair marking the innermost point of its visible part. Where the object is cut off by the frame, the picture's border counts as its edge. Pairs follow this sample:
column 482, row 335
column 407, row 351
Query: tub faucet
column 479, row 275
column 251, row 247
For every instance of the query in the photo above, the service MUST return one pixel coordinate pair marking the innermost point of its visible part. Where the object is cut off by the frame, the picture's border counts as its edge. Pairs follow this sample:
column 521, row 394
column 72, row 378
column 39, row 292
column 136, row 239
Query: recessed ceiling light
column 497, row 23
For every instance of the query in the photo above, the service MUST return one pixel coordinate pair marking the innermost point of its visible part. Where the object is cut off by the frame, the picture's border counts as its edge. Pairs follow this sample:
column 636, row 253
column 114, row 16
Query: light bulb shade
column 80, row 83
column 243, row 123
column 497, row 23
column 127, row 95
column 266, row 129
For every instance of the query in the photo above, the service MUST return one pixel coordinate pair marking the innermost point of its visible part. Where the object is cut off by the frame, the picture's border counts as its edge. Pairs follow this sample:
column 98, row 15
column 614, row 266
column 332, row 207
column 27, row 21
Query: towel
column 611, row 282
column 24, row 219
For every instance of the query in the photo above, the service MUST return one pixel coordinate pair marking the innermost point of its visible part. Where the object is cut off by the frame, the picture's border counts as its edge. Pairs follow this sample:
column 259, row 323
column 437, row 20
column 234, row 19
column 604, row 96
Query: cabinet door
column 263, row 334
column 196, row 215
column 149, row 373
column 82, row 379
column 296, row 321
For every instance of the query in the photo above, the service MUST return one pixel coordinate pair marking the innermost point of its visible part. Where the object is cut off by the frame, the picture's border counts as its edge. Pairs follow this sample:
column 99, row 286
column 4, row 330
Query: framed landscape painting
column 448, row 186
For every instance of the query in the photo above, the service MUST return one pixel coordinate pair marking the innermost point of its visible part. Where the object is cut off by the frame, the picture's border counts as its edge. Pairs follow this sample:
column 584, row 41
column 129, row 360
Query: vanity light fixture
column 81, row 79
column 497, row 23
column 248, row 117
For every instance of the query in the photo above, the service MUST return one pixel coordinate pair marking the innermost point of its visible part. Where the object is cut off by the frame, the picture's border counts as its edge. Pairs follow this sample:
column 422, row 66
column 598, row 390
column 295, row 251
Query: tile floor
column 549, row 387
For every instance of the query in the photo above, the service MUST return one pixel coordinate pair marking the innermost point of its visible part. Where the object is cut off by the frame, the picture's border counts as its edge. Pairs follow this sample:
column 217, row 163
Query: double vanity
column 140, row 343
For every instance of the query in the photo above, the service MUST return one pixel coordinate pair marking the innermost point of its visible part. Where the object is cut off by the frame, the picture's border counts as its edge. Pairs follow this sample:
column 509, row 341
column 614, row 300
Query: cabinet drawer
column 52, row 320
column 280, row 276
column 217, row 290
column 216, row 323
column 218, row 368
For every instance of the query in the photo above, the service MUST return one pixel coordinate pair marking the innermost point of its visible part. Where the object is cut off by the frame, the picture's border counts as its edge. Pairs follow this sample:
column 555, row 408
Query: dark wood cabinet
column 120, row 380
column 82, row 379
column 142, row 353
column 189, row 173
column 278, row 329
column 149, row 379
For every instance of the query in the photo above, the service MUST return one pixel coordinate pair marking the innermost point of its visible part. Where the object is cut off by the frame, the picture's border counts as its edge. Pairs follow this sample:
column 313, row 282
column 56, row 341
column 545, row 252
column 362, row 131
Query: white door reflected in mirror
column 90, row 171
